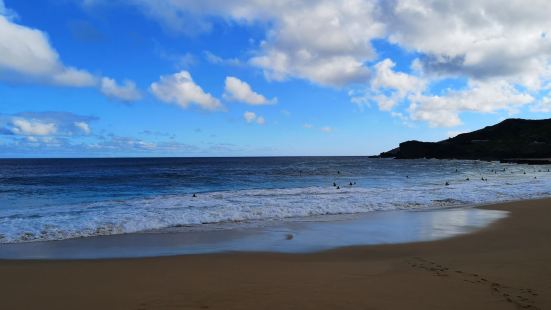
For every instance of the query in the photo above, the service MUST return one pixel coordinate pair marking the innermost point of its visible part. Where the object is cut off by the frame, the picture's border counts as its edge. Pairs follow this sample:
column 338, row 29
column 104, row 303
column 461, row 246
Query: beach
column 503, row 266
column 355, row 154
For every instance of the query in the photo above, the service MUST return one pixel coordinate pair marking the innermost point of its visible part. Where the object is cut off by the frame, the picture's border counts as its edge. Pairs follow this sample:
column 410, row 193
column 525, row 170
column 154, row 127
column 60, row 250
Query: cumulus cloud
column 329, row 42
column 499, row 47
column 83, row 126
column 386, row 78
column 124, row 92
column 251, row 117
column 45, row 124
column 390, row 87
column 480, row 39
column 180, row 89
column 241, row 91
column 326, row 42
column 543, row 105
column 9, row 14
column 21, row 126
column 482, row 97
column 28, row 55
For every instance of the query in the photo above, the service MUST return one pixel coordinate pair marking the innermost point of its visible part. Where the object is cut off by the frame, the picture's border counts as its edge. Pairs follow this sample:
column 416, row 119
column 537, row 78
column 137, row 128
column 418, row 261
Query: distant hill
column 514, row 140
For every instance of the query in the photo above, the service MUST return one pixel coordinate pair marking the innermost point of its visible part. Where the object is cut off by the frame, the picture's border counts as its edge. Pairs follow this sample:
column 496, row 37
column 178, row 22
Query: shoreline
column 239, row 231
column 50, row 216
column 297, row 235
column 503, row 266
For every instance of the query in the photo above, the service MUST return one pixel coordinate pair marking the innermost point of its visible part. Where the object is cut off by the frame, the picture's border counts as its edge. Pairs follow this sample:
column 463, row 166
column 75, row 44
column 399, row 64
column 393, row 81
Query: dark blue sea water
column 52, row 199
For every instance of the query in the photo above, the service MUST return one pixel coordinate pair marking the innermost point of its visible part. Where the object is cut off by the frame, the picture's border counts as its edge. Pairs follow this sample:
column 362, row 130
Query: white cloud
column 217, row 60
column 251, row 117
column 50, row 141
column 477, row 38
column 482, row 97
column 543, row 105
column 326, row 42
column 125, row 92
column 238, row 90
column 180, row 89
column 260, row 120
column 326, row 129
column 60, row 124
column 334, row 71
column 499, row 47
column 25, row 127
column 9, row 14
column 386, row 78
column 28, row 56
column 84, row 127
column 389, row 87
column 32, row 139
column 308, row 126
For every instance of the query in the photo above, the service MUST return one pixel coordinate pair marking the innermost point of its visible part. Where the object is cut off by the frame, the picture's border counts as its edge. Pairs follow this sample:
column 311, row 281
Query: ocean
column 56, row 199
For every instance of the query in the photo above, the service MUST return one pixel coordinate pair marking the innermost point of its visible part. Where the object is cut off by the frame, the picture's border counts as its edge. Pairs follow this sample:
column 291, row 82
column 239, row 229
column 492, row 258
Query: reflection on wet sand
column 297, row 236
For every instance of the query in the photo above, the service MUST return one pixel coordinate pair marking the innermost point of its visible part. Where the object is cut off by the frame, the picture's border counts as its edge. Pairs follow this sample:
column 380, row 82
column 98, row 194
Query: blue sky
column 246, row 78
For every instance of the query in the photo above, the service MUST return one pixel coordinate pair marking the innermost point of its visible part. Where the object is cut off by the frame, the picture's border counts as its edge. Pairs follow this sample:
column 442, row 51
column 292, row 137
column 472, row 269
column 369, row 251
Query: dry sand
column 505, row 266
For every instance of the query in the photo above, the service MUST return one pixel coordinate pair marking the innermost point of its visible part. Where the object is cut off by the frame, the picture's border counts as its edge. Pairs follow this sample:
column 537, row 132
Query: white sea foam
column 134, row 215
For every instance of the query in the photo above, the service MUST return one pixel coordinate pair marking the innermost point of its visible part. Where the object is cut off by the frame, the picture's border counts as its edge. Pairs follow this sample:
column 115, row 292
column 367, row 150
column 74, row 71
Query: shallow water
column 57, row 199
column 297, row 236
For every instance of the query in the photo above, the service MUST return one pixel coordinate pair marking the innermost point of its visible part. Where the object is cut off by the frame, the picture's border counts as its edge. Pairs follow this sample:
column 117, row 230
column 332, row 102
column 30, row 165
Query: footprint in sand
column 522, row 298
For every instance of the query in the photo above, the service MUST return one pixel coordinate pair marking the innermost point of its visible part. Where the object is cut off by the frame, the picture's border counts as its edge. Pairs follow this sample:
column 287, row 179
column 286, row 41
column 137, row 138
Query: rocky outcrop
column 511, row 140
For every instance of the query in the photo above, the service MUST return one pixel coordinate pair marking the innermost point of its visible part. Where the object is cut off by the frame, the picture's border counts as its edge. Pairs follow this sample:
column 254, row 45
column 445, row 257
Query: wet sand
column 299, row 235
column 504, row 266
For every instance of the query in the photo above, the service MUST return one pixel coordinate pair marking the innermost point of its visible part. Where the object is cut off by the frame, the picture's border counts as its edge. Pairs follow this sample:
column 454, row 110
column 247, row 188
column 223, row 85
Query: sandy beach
column 504, row 266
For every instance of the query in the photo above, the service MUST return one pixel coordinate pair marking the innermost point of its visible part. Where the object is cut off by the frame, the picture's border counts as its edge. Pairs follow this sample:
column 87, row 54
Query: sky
column 113, row 78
